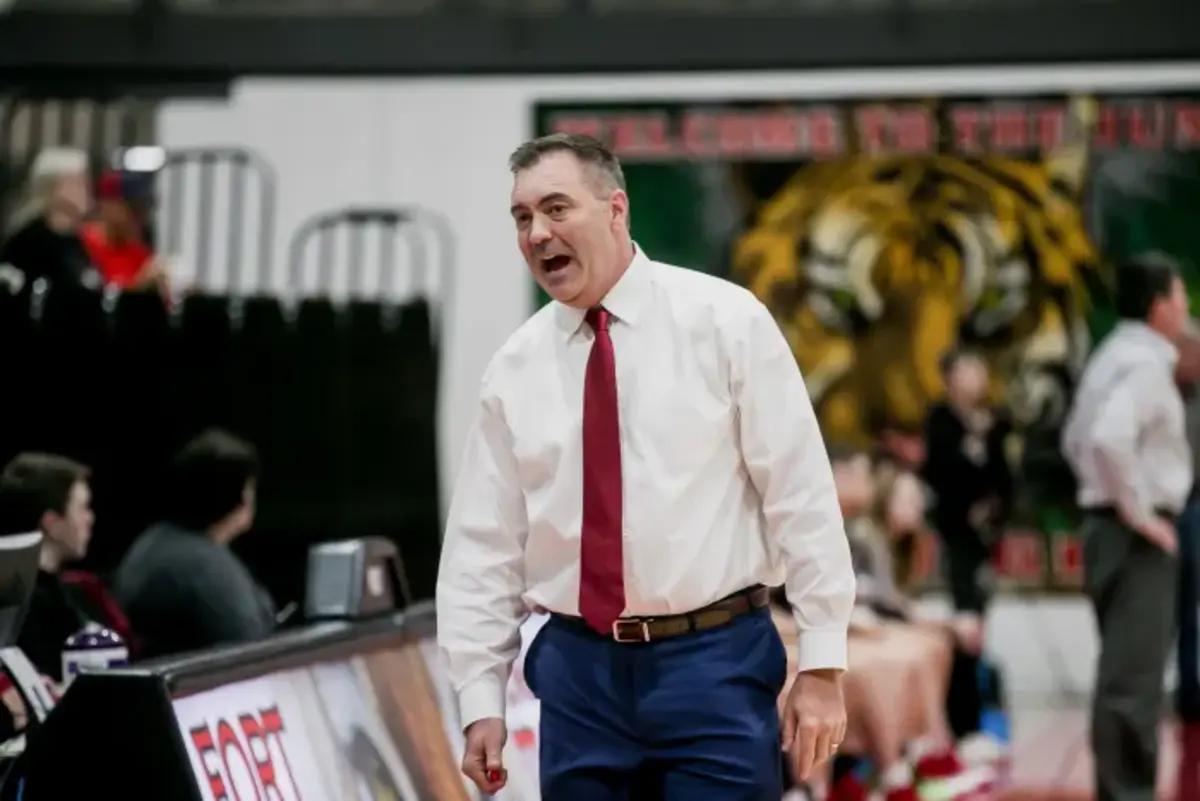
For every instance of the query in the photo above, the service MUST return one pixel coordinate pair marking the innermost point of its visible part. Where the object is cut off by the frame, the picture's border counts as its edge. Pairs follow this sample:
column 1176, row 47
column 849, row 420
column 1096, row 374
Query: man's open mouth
column 555, row 263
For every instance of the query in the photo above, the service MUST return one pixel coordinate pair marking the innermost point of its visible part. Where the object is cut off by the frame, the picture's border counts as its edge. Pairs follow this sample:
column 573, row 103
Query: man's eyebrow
column 553, row 196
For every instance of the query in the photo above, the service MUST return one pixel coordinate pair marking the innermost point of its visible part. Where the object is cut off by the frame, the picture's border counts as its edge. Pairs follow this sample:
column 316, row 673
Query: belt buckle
column 642, row 636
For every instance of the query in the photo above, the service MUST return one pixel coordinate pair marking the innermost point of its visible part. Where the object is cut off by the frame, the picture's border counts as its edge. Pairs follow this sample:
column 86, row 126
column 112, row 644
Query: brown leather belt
column 649, row 629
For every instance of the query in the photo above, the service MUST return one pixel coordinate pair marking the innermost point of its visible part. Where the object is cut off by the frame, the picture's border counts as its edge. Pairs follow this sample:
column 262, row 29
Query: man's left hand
column 814, row 721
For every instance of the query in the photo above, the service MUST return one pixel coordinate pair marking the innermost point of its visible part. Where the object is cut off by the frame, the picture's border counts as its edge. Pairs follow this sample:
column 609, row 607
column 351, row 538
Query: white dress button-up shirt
column 725, row 477
column 1125, row 435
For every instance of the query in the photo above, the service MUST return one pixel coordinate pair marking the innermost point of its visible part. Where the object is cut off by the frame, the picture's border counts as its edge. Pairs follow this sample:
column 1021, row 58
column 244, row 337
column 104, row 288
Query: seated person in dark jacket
column 183, row 588
column 40, row 491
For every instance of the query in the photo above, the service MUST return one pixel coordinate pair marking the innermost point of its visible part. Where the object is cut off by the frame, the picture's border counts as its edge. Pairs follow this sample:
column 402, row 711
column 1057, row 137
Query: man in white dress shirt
column 644, row 463
column 1125, row 439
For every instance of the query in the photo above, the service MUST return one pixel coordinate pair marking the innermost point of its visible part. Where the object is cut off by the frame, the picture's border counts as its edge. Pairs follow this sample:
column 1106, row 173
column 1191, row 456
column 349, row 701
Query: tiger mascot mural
column 876, row 267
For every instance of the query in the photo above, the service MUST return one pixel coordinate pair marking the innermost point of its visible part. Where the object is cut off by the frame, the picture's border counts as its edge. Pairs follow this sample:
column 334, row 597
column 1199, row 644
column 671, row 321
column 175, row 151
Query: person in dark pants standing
column 968, row 472
column 1187, row 700
column 1126, row 441
column 1187, row 654
column 644, row 464
column 966, row 468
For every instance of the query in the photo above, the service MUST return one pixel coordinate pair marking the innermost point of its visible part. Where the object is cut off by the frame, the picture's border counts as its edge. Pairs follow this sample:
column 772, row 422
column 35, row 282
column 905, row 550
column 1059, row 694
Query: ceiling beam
column 163, row 45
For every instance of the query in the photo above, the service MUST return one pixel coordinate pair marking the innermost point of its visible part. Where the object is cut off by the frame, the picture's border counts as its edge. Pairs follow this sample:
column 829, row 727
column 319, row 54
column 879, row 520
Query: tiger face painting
column 875, row 267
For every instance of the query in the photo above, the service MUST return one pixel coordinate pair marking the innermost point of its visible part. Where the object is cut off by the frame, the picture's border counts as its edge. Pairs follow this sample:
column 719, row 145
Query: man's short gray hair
column 591, row 152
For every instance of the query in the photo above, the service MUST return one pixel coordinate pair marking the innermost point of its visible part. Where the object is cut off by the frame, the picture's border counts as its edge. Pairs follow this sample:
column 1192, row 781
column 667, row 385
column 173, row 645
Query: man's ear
column 49, row 520
column 619, row 203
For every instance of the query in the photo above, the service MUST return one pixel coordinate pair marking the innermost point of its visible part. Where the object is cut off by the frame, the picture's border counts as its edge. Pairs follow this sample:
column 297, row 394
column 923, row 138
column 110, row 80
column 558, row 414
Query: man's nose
column 539, row 232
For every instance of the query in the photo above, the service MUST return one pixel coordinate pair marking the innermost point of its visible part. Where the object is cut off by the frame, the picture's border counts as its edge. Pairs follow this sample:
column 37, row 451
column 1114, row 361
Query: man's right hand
column 1161, row 532
column 481, row 762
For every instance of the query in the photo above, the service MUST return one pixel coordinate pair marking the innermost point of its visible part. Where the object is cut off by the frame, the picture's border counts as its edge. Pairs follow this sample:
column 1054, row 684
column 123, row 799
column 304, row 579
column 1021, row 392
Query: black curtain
column 393, row 383
column 72, row 356
column 339, row 400
column 136, row 431
column 18, row 391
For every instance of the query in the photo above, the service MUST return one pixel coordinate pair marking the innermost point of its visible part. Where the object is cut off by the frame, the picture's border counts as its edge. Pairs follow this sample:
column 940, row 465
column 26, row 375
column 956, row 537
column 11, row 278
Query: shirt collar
column 625, row 301
column 1160, row 345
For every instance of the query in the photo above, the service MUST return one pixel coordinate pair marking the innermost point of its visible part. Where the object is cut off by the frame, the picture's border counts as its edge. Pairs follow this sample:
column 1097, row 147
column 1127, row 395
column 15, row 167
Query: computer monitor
column 355, row 579
column 18, row 574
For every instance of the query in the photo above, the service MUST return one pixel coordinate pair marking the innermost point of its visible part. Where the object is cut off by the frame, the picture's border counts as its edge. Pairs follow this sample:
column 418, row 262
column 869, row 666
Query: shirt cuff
column 482, row 698
column 821, row 650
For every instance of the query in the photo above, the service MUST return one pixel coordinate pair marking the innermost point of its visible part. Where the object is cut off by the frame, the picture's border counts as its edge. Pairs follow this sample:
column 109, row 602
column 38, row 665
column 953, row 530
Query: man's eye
column 558, row 210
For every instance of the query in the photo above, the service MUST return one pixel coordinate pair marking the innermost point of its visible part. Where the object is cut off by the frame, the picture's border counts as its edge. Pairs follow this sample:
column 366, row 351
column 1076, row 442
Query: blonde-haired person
column 41, row 239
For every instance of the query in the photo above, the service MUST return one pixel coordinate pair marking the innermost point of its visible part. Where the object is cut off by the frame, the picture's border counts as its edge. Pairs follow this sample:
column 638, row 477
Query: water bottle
column 93, row 647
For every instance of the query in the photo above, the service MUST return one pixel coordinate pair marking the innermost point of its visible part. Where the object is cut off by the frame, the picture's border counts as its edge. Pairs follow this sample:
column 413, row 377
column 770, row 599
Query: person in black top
column 183, row 587
column 967, row 470
column 40, row 491
column 42, row 238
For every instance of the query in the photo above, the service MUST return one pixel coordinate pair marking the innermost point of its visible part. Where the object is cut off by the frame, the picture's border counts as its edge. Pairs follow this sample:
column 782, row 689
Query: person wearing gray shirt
column 1124, row 439
column 180, row 584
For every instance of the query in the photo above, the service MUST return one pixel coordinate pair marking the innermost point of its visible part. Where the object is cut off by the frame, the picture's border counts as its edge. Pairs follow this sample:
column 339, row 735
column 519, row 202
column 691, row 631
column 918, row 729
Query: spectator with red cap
column 117, row 240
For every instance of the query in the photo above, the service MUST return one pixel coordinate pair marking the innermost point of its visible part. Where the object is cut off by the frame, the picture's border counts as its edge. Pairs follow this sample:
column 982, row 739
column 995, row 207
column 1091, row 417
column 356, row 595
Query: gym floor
column 1051, row 759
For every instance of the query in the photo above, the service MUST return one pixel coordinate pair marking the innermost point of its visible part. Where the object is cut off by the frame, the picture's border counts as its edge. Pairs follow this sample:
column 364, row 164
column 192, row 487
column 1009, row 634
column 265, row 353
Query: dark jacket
column 960, row 482
column 39, row 252
column 60, row 606
column 184, row 592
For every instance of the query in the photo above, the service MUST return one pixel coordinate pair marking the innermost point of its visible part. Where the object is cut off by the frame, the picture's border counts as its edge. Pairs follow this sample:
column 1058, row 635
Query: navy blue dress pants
column 690, row 717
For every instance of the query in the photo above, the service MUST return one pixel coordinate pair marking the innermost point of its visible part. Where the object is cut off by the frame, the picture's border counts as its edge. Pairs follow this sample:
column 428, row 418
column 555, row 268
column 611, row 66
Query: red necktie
column 601, row 574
